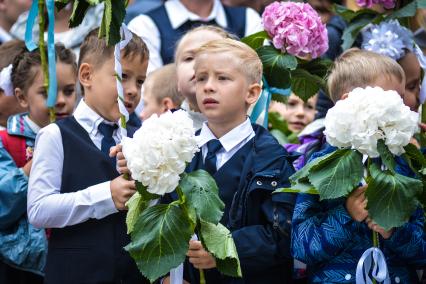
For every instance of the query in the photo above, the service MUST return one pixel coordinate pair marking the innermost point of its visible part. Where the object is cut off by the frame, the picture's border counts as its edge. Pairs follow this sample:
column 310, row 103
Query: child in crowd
column 160, row 92
column 74, row 186
column 23, row 246
column 331, row 235
column 247, row 163
column 184, row 60
column 296, row 112
column 8, row 103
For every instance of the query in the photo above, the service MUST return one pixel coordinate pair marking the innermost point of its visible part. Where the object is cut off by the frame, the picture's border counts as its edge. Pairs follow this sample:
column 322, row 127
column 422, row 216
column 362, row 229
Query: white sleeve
column 46, row 206
column 253, row 22
column 145, row 27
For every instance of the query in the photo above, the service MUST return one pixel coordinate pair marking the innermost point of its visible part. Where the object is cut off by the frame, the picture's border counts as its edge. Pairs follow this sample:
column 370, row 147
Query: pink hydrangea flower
column 387, row 4
column 295, row 28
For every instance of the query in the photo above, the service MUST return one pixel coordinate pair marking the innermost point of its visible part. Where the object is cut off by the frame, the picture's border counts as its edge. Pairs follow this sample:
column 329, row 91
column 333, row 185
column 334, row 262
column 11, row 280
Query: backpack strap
column 15, row 146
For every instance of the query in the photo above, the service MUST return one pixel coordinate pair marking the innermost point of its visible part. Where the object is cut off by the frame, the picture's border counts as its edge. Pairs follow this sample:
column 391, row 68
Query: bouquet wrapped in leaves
column 160, row 234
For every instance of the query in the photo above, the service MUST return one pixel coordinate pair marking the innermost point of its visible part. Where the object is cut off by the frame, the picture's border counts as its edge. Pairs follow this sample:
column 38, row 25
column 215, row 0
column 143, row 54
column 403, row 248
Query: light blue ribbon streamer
column 262, row 104
column 380, row 270
column 51, row 56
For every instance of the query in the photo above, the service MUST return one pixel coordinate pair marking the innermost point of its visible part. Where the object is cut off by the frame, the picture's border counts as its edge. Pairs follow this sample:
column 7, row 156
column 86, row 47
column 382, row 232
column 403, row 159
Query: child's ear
column 85, row 75
column 167, row 104
column 253, row 93
column 21, row 97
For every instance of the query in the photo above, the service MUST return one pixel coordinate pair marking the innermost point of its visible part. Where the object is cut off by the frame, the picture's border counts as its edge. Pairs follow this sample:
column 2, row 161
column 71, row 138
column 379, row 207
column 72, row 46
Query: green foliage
column 256, row 40
column 387, row 157
column 282, row 70
column 357, row 20
column 391, row 197
column 218, row 241
column 160, row 239
column 113, row 16
column 160, row 234
column 338, row 175
column 202, row 194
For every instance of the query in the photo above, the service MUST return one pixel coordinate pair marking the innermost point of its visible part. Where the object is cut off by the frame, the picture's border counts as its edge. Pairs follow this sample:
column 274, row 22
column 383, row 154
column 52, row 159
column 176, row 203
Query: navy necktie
column 213, row 146
column 107, row 141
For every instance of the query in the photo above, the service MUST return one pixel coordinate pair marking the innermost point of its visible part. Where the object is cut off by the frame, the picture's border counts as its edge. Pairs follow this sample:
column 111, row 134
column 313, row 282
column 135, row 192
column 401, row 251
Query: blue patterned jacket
column 330, row 242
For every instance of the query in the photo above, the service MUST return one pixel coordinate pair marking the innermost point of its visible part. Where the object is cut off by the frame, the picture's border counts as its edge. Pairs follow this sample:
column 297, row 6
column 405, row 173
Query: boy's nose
column 131, row 90
column 60, row 100
column 209, row 85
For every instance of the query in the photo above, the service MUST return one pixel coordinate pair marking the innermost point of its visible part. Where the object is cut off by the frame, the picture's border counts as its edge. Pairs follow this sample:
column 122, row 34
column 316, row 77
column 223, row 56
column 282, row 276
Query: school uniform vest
column 235, row 17
column 92, row 251
column 228, row 179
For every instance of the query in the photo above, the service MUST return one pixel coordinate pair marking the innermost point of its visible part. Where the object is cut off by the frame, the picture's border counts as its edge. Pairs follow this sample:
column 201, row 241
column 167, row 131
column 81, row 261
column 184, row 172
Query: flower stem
column 202, row 277
column 123, row 124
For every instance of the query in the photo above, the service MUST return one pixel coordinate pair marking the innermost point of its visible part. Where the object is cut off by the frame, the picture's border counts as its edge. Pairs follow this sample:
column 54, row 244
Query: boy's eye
column 68, row 92
column 124, row 76
column 222, row 78
column 310, row 107
column 43, row 93
column 140, row 82
column 200, row 79
column 188, row 58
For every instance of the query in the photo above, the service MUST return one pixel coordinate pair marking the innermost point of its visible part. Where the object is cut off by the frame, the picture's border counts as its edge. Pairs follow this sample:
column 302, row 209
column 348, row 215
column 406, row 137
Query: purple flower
column 295, row 28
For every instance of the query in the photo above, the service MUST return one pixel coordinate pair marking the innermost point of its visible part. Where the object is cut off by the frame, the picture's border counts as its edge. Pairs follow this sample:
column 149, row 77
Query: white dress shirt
column 232, row 141
column 145, row 27
column 46, row 206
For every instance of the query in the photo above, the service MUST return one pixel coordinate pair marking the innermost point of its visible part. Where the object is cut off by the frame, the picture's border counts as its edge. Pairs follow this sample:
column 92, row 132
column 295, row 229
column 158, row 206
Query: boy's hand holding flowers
column 356, row 203
column 199, row 257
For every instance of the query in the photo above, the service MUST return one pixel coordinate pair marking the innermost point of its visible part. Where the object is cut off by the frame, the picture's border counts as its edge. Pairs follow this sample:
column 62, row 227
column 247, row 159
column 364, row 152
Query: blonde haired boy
column 247, row 163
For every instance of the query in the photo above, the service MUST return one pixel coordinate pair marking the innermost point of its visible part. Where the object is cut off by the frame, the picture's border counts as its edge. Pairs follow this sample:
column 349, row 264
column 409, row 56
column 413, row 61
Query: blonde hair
column 163, row 84
column 360, row 68
column 208, row 28
column 249, row 62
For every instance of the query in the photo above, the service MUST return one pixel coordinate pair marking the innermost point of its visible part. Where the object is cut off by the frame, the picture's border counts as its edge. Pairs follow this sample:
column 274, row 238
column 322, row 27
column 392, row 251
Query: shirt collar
column 88, row 118
column 179, row 14
column 230, row 139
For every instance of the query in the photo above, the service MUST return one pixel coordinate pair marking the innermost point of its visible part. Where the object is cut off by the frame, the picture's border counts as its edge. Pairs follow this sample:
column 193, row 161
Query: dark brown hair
column 94, row 50
column 23, row 73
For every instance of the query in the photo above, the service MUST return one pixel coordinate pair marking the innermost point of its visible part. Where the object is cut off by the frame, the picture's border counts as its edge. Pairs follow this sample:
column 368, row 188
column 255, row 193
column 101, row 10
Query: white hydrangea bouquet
column 370, row 128
column 157, row 156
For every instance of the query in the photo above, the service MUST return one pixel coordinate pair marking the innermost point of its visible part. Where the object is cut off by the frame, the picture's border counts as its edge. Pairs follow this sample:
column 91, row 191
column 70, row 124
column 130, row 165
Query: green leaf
column 387, row 157
column 256, row 40
column 318, row 66
column 408, row 10
column 135, row 205
column 79, row 10
column 160, row 239
column 416, row 157
column 280, row 98
column 142, row 189
column 338, row 176
column 303, row 173
column 219, row 242
column 276, row 121
column 351, row 32
column 304, row 84
column 349, row 15
column 299, row 187
column 113, row 17
column 421, row 4
column 391, row 197
column 202, row 194
column 271, row 57
column 60, row 4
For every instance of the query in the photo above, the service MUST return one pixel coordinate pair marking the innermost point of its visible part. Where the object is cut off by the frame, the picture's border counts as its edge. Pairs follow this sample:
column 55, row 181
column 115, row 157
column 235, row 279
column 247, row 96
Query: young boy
column 160, row 92
column 248, row 164
column 74, row 187
column 331, row 235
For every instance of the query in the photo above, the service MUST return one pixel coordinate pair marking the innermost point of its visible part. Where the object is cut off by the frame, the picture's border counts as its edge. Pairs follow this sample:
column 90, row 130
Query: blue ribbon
column 51, row 56
column 262, row 104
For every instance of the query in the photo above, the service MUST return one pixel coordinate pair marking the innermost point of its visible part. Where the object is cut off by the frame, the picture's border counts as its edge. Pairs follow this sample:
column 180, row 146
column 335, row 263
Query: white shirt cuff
column 100, row 195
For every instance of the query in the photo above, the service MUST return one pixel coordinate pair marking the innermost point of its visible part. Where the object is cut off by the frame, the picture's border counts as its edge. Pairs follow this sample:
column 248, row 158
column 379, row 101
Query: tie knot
column 213, row 146
column 106, row 129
